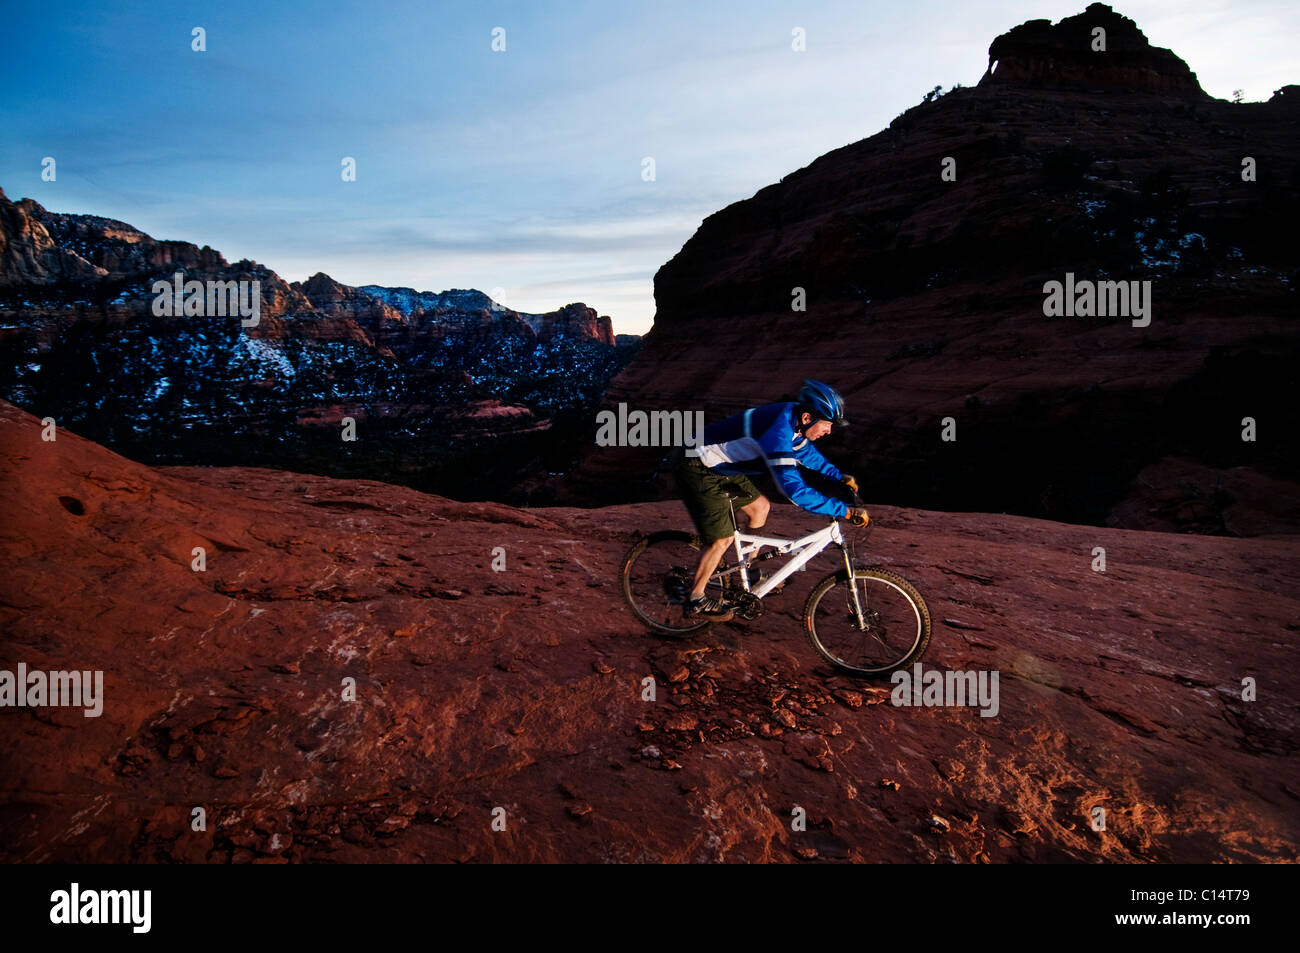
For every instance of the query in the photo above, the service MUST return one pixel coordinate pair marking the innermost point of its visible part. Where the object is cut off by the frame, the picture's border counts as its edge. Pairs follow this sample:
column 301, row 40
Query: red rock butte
column 920, row 296
column 1070, row 53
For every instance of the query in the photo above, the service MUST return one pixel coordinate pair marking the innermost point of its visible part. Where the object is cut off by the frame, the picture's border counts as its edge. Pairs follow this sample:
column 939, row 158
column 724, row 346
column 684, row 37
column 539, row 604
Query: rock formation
column 42, row 251
column 1073, row 54
column 80, row 341
column 920, row 256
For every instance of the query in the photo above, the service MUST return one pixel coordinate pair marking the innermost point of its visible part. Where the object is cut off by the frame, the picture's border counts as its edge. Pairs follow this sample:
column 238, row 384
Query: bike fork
column 853, row 588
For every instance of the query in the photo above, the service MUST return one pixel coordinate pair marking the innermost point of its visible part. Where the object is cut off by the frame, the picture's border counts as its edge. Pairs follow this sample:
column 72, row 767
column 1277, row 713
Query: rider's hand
column 857, row 516
column 851, row 483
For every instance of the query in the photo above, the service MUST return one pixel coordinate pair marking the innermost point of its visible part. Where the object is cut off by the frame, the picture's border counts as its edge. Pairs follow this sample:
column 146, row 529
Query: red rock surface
column 521, row 689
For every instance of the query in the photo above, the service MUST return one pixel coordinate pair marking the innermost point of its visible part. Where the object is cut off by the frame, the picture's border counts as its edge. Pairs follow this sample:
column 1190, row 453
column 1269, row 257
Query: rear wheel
column 656, row 577
column 886, row 628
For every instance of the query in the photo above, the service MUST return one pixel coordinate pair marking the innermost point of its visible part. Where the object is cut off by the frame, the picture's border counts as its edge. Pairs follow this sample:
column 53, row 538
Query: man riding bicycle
column 777, row 437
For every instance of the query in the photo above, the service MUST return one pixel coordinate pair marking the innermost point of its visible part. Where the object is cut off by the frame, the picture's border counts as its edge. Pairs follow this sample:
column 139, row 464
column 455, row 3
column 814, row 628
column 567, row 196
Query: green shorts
column 705, row 494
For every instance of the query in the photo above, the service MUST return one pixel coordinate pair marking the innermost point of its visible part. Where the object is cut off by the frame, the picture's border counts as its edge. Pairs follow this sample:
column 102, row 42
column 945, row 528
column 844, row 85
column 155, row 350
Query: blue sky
column 515, row 172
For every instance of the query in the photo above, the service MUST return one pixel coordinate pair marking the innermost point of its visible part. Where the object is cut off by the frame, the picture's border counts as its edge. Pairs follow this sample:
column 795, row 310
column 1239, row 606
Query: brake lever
column 858, row 503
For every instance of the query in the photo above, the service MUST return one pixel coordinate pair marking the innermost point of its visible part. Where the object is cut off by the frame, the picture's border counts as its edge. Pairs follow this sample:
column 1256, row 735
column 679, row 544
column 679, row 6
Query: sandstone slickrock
column 924, row 297
column 224, row 688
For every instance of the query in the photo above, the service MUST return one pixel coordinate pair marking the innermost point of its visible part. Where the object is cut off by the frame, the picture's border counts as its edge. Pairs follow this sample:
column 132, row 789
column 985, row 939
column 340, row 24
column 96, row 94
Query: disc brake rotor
column 677, row 583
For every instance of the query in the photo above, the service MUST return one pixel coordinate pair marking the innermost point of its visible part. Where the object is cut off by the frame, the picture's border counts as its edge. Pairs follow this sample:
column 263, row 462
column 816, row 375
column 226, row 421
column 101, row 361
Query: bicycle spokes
column 876, row 622
column 657, row 576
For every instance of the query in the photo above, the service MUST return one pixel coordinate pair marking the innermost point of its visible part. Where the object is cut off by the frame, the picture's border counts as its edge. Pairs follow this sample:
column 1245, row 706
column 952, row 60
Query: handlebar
column 858, row 504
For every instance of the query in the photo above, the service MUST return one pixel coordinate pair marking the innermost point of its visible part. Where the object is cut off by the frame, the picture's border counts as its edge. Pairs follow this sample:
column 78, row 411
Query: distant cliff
column 451, row 391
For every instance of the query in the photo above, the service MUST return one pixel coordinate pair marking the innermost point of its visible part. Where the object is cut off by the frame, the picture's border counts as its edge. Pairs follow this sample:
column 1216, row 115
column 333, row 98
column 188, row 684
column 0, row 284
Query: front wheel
column 885, row 628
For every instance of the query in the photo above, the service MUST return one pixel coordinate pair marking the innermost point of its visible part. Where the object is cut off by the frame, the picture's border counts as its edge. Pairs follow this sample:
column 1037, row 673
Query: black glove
column 857, row 516
column 851, row 483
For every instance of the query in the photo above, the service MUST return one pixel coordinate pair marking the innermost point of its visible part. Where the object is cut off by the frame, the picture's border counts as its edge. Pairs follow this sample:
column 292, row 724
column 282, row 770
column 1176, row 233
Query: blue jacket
column 766, row 437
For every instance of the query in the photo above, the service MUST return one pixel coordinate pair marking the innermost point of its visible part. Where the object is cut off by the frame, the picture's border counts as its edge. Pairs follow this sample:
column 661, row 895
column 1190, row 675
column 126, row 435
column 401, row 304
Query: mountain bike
column 864, row 620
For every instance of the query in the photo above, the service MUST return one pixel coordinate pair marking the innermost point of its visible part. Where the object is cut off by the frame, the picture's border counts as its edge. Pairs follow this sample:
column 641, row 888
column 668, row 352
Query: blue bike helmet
column 822, row 400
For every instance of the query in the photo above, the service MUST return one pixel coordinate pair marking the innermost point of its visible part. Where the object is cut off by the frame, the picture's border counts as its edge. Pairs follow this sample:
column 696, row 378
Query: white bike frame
column 803, row 549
